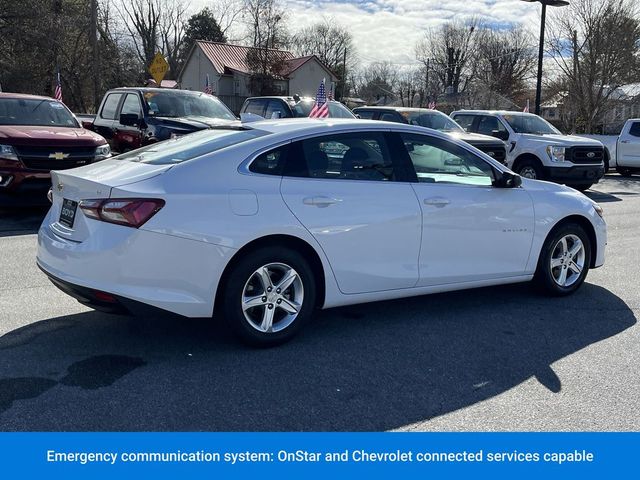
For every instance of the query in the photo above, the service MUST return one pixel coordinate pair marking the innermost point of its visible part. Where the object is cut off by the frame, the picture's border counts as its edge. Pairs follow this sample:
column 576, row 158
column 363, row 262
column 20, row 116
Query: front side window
column 255, row 106
column 438, row 161
column 110, row 106
column 183, row 104
column 366, row 114
column 635, row 129
column 491, row 126
column 275, row 109
column 348, row 156
column 465, row 121
column 37, row 112
column 390, row 117
column 529, row 123
column 131, row 105
column 336, row 109
column 432, row 119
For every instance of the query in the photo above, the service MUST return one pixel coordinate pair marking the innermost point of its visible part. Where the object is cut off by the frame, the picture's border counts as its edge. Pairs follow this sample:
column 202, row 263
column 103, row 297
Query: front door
column 470, row 230
column 628, row 150
column 347, row 190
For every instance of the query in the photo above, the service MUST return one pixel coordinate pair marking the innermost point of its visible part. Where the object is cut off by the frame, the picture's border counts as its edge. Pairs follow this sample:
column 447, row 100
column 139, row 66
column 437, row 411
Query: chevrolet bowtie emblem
column 60, row 187
column 58, row 155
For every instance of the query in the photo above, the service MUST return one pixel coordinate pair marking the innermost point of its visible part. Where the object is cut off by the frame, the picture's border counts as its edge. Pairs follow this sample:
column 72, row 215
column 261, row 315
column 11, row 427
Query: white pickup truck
column 622, row 152
column 536, row 149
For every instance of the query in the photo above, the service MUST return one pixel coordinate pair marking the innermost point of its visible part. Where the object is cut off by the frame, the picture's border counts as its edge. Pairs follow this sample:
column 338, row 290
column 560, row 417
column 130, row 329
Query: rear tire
column 564, row 260
column 625, row 172
column 530, row 169
column 268, row 296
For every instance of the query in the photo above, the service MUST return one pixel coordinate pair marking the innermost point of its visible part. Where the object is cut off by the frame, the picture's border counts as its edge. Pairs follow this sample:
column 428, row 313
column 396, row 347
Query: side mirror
column 508, row 180
column 87, row 124
column 500, row 134
column 129, row 119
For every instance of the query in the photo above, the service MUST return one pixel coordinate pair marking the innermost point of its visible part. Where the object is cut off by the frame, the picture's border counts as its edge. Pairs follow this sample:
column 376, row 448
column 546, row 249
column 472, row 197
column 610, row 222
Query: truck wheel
column 582, row 187
column 564, row 260
column 269, row 296
column 530, row 169
column 607, row 162
column 625, row 172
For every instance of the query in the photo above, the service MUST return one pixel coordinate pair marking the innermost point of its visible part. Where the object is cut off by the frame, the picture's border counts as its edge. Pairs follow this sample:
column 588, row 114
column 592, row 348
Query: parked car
column 260, row 225
column 438, row 121
column 133, row 117
column 290, row 107
column 622, row 151
column 536, row 149
column 37, row 135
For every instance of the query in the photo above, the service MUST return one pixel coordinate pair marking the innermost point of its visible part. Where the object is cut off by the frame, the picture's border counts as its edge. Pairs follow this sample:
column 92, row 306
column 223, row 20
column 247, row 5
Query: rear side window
column 270, row 163
column 465, row 121
column 635, row 129
column 275, row 109
column 365, row 114
column 110, row 106
column 391, row 117
column 190, row 146
column 347, row 156
column 131, row 105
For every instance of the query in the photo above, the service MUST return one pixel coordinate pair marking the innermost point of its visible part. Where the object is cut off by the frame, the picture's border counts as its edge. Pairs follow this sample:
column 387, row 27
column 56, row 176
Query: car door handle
column 624, row 141
column 320, row 201
column 437, row 202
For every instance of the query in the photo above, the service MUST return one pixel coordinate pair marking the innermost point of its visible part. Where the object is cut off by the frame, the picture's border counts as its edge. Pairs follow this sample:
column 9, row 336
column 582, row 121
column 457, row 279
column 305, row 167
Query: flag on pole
column 321, row 107
column 432, row 105
column 58, row 92
column 207, row 86
column 526, row 109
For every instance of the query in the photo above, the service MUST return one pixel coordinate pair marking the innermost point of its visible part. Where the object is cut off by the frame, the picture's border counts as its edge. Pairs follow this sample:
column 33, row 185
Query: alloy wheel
column 567, row 260
column 272, row 297
column 528, row 172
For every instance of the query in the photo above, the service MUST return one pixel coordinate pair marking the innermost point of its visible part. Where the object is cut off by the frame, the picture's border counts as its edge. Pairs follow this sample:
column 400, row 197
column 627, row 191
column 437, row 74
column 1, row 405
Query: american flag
column 58, row 92
column 207, row 86
column 526, row 109
column 432, row 105
column 321, row 107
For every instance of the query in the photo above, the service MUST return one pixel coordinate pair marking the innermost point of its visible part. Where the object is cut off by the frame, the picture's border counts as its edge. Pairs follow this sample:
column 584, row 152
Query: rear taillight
column 130, row 212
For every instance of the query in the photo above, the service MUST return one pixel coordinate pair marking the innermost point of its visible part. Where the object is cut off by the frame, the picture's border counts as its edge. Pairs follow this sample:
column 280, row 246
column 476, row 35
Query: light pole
column 551, row 3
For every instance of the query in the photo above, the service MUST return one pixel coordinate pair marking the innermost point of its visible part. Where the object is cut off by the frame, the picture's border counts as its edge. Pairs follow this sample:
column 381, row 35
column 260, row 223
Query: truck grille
column 585, row 155
column 497, row 152
column 37, row 158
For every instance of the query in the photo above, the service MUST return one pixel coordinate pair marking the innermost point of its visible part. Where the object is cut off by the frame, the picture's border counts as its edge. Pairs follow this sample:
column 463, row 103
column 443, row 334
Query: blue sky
column 389, row 29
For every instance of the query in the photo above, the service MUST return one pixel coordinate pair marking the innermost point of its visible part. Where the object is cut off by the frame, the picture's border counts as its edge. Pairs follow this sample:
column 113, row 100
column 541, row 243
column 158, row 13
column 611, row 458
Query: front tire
column 625, row 172
column 268, row 296
column 583, row 187
column 564, row 260
column 530, row 169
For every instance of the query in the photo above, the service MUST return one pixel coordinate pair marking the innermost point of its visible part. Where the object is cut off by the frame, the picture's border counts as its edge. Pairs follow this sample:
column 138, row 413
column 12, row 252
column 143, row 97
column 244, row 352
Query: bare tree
column 155, row 26
column 448, row 51
column 595, row 45
column 377, row 82
column 227, row 13
column 504, row 60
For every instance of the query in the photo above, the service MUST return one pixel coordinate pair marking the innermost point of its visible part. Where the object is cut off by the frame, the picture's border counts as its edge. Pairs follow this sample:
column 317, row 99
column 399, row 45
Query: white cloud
column 390, row 29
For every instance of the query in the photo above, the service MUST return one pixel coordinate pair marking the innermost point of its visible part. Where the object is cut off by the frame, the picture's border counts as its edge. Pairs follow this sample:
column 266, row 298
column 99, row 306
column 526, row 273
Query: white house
column 229, row 73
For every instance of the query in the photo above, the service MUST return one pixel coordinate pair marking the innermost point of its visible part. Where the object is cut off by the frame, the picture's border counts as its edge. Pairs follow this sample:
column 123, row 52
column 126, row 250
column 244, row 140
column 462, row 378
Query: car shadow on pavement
column 367, row 367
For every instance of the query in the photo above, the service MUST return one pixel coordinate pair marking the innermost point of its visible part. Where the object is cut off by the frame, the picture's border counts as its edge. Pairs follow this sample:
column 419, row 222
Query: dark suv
column 130, row 118
column 37, row 135
column 290, row 107
column 437, row 121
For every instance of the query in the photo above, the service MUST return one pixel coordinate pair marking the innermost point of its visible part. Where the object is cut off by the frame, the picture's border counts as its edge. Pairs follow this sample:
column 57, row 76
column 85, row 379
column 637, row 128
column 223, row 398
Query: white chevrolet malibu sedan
column 259, row 224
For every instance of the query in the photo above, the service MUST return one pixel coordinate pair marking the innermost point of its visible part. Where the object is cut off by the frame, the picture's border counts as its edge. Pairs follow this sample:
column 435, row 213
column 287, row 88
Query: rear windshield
column 336, row 109
column 36, row 112
column 175, row 104
column 190, row 146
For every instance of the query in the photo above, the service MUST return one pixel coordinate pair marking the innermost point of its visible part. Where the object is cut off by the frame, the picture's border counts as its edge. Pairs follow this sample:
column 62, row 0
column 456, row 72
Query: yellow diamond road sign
column 158, row 68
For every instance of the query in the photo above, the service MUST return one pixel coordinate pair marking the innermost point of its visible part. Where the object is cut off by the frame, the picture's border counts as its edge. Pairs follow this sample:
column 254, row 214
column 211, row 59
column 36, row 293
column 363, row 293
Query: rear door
column 348, row 191
column 104, row 123
column 628, row 150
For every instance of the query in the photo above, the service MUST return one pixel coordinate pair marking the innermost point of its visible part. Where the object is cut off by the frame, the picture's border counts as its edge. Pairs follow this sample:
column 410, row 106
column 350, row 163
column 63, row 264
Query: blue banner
column 318, row 455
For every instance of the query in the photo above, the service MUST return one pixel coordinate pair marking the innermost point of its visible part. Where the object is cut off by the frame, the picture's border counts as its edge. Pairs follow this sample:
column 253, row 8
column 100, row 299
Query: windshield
column 529, row 123
column 190, row 146
column 336, row 109
column 432, row 119
column 176, row 104
column 36, row 112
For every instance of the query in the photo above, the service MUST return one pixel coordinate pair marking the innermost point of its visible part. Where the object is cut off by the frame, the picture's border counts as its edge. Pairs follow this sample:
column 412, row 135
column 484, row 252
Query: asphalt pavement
column 503, row 358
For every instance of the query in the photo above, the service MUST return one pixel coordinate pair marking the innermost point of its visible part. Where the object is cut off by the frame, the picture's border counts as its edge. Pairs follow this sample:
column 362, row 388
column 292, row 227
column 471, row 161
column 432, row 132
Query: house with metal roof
column 230, row 72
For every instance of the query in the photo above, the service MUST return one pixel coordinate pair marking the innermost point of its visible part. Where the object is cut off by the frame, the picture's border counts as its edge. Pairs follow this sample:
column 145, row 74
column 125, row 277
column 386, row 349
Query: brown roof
column 225, row 57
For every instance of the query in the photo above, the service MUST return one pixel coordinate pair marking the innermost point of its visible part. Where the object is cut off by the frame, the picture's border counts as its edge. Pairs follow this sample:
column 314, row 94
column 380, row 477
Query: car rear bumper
column 134, row 266
column 581, row 174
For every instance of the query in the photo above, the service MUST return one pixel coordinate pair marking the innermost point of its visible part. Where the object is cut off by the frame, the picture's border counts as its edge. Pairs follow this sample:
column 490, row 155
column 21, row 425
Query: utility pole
column 344, row 73
column 93, row 34
column 426, row 83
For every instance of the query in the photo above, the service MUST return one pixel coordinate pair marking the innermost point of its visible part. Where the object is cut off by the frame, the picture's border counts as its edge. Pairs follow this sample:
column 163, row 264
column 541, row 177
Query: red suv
column 37, row 135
